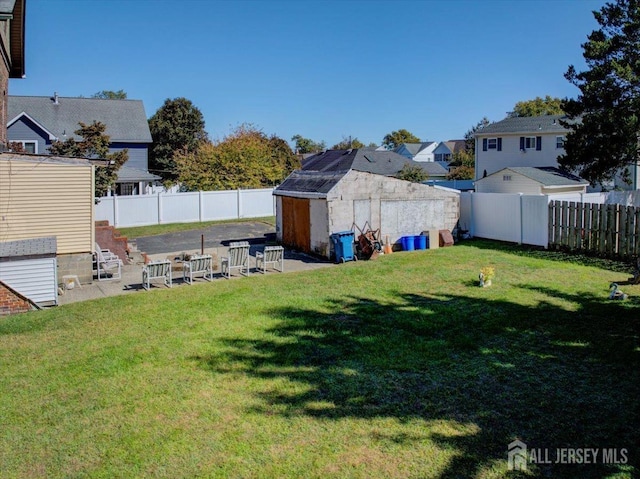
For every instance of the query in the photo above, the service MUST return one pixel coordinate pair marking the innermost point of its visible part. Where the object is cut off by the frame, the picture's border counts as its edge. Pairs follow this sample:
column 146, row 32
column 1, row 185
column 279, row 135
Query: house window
column 492, row 143
column 530, row 142
column 28, row 146
column 560, row 141
column 125, row 189
column 506, row 177
column 442, row 156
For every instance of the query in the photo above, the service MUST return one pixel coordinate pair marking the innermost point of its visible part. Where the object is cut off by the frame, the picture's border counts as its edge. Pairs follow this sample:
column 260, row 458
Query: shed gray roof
column 28, row 247
column 369, row 160
column 526, row 124
column 547, row 175
column 126, row 120
column 127, row 175
column 315, row 182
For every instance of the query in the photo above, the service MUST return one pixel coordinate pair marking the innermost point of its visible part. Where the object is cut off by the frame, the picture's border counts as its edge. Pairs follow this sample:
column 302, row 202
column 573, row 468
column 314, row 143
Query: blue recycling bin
column 343, row 246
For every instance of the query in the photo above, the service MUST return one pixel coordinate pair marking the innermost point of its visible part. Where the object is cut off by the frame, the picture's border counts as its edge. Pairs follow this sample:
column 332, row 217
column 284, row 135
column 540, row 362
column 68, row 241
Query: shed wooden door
column 296, row 223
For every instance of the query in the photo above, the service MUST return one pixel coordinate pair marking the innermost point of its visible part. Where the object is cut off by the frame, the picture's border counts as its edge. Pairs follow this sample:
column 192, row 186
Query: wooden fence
column 608, row 230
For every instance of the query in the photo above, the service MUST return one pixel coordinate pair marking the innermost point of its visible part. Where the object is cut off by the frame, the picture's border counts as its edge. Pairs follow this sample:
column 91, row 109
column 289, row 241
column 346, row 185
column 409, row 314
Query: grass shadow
column 549, row 376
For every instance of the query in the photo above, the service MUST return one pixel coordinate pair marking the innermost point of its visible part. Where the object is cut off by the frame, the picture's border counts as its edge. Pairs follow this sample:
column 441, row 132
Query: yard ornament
column 615, row 293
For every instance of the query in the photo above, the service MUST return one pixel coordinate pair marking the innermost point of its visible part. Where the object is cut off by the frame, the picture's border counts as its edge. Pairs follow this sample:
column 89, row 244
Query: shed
column 29, row 267
column 311, row 205
column 543, row 180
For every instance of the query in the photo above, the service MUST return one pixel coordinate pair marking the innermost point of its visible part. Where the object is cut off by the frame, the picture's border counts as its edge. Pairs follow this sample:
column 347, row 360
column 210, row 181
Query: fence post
column 239, row 193
column 200, row 206
column 116, row 216
column 159, row 208
column 521, row 220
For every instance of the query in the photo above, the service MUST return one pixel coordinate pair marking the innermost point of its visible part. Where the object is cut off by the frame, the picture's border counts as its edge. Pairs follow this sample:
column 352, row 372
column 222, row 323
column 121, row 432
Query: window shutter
column 538, row 143
column 484, row 144
column 522, row 143
column 499, row 144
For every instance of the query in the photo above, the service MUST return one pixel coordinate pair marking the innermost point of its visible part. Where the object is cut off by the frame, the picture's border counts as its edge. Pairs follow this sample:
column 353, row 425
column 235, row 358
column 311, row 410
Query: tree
column 177, row 126
column 604, row 121
column 347, row 143
column 94, row 144
column 247, row 158
column 397, row 138
column 110, row 95
column 469, row 136
column 537, row 107
column 305, row 145
column 413, row 173
column 462, row 166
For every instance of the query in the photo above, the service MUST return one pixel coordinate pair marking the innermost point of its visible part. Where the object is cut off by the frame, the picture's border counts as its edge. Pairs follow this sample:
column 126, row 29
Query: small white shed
column 312, row 205
column 30, row 268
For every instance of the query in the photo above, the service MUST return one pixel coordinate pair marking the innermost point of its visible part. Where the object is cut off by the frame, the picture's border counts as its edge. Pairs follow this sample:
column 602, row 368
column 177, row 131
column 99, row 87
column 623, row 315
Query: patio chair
column 273, row 255
column 160, row 269
column 107, row 264
column 197, row 265
column 237, row 258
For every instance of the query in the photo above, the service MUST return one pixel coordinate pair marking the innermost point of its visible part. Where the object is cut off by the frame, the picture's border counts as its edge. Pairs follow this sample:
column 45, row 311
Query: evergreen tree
column 605, row 118
column 177, row 126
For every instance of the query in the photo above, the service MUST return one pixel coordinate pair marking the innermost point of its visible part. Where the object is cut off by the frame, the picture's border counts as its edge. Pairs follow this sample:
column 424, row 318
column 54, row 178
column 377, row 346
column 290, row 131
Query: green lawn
column 399, row 367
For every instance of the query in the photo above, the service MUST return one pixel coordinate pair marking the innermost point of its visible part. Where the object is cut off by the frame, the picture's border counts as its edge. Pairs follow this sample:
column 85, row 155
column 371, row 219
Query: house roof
column 415, row 148
column 128, row 175
column 455, row 145
column 526, row 124
column 16, row 10
column 369, row 160
column 315, row 183
column 126, row 120
column 546, row 175
column 59, row 160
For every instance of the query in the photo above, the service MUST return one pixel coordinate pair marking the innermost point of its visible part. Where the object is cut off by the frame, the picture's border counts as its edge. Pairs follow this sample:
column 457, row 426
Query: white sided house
column 417, row 151
column 312, row 205
column 531, row 181
column 519, row 142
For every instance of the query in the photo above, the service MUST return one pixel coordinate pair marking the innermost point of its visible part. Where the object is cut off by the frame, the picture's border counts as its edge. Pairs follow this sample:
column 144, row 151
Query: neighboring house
column 530, row 141
column 521, row 141
column 311, row 205
column 531, row 181
column 48, row 196
column 37, row 121
column 12, row 29
column 380, row 162
column 443, row 153
column 417, row 151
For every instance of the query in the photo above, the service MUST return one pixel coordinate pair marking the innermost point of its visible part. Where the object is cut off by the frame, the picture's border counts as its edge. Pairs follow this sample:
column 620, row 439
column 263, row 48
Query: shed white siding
column 34, row 278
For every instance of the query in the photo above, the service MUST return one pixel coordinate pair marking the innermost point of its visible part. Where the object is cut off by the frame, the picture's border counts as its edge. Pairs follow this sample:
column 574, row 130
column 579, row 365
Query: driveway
column 214, row 236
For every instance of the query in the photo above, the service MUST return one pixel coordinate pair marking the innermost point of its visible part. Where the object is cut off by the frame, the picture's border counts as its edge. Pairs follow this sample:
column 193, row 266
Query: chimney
column 55, row 98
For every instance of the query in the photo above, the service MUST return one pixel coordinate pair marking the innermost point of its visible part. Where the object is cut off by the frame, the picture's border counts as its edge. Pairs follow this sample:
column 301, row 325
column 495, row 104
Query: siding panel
column 34, row 278
column 40, row 199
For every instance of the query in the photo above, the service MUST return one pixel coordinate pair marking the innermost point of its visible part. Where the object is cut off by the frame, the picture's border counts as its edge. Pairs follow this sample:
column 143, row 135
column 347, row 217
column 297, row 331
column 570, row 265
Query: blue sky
column 322, row 69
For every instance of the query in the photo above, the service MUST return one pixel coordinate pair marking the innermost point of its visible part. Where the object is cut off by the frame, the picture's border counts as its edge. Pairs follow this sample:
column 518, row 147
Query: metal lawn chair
column 197, row 265
column 271, row 255
column 237, row 258
column 160, row 269
column 107, row 264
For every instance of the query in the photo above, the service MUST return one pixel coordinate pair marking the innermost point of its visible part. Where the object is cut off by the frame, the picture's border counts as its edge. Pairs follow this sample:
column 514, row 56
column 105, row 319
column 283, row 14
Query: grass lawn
column 139, row 231
column 399, row 367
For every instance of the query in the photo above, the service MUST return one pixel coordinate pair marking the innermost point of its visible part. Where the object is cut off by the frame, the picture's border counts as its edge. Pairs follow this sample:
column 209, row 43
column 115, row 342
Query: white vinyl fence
column 162, row 208
column 513, row 217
